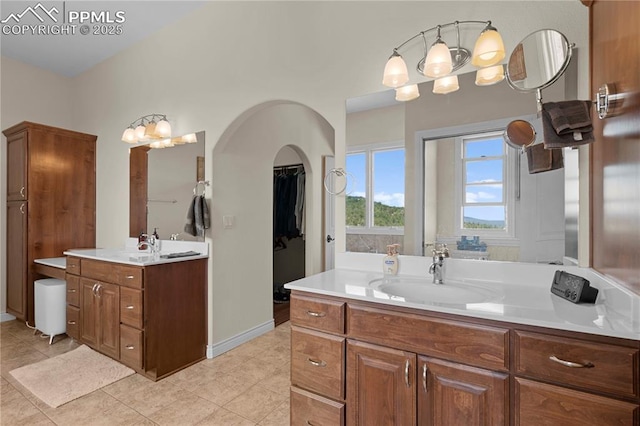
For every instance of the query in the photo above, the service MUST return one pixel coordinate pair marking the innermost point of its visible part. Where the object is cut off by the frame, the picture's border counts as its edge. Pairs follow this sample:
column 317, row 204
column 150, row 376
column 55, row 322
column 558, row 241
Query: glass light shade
column 407, row 93
column 489, row 48
column 139, row 132
column 445, row 85
column 190, row 138
column 150, row 131
column 395, row 72
column 178, row 140
column 490, row 75
column 438, row 61
column 156, row 144
column 163, row 129
column 129, row 136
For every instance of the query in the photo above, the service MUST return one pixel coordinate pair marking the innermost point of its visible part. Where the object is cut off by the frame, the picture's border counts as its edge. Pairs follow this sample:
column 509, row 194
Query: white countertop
column 517, row 293
column 54, row 262
column 130, row 254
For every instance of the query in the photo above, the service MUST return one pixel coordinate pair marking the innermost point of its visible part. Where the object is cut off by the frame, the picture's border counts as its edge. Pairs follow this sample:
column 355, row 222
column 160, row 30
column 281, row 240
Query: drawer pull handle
column 130, row 307
column 22, row 193
column 129, row 277
column 406, row 373
column 309, row 423
column 22, row 208
column 424, row 377
column 71, row 322
column 71, row 290
column 130, row 347
column 316, row 363
column 316, row 314
column 569, row 363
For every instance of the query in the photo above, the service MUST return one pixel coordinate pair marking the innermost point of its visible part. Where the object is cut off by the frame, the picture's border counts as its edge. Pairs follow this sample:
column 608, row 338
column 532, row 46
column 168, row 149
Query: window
column 375, row 201
column 484, row 206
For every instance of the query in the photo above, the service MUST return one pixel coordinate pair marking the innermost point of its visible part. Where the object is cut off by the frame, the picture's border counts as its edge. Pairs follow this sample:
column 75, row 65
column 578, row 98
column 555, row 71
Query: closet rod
column 289, row 166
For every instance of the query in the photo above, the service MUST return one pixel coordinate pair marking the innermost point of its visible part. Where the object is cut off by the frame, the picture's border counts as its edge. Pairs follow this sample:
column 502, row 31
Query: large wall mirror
column 422, row 189
column 162, row 185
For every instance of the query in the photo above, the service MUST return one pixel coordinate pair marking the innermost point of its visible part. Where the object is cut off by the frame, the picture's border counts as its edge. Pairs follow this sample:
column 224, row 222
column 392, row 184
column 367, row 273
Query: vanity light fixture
column 154, row 127
column 439, row 61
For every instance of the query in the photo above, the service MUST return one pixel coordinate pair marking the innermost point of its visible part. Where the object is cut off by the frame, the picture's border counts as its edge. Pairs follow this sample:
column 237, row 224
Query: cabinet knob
column 130, row 347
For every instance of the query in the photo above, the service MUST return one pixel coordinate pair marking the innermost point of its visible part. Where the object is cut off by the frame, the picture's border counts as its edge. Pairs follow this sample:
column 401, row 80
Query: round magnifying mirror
column 519, row 134
column 538, row 60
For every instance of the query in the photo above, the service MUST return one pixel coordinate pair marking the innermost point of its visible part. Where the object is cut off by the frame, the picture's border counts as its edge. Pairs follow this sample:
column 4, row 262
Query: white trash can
column 50, row 299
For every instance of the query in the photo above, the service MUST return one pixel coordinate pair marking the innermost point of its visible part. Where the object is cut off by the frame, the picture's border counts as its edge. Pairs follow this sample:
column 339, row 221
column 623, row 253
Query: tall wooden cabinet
column 51, row 203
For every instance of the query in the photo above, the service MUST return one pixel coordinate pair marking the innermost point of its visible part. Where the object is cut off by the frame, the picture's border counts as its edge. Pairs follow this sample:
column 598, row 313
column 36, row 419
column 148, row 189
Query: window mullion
column 369, row 174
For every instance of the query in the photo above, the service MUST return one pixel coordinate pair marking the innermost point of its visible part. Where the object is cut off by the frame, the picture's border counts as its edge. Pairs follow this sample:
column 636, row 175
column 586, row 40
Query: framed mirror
column 538, row 60
column 161, row 187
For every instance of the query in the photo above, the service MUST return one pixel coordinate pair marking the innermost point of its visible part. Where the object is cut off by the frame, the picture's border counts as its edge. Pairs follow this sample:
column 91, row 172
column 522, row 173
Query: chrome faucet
column 151, row 242
column 438, row 267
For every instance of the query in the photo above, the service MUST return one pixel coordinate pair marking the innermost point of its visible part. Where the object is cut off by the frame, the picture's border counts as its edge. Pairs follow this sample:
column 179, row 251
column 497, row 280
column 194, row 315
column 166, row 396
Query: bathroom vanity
column 515, row 355
column 143, row 310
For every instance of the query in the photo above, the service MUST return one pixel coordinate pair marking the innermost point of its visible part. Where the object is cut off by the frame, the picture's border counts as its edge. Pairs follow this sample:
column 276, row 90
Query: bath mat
column 69, row 376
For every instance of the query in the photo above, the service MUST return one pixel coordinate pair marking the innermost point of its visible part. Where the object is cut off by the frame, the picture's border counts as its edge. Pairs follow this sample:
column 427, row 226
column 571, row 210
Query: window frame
column 508, row 192
column 369, row 150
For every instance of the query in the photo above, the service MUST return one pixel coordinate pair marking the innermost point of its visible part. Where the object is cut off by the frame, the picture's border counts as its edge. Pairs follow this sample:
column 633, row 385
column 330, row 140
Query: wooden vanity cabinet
column 150, row 318
column 51, row 198
column 405, row 367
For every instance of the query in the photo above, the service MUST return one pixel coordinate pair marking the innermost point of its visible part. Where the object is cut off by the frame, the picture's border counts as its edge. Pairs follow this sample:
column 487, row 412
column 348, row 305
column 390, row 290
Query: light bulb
column 139, row 132
column 395, row 71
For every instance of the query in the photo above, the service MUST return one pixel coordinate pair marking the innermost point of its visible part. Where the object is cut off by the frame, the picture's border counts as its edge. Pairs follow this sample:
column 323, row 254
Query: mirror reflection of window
column 483, row 205
column 357, row 199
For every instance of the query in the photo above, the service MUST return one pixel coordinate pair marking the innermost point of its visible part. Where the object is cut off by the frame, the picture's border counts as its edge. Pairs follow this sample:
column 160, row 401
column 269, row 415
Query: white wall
column 215, row 64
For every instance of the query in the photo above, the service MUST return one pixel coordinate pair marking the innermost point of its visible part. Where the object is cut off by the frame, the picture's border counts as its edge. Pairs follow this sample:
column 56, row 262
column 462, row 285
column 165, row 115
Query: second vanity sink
column 418, row 290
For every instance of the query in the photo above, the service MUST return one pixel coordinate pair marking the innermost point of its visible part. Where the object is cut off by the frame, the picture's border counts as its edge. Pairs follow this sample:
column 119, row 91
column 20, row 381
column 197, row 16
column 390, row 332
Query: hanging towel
column 198, row 218
column 190, row 225
column 541, row 159
column 567, row 124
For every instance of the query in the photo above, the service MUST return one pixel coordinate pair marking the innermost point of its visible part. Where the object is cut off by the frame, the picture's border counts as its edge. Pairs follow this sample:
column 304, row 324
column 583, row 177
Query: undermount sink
column 418, row 290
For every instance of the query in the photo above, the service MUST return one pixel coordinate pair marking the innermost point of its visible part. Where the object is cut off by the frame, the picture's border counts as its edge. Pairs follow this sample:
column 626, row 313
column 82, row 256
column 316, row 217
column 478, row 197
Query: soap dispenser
column 390, row 261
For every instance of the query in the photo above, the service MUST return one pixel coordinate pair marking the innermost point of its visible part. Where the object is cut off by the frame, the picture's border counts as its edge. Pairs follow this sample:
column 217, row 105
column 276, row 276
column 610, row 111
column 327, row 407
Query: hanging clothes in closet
column 288, row 203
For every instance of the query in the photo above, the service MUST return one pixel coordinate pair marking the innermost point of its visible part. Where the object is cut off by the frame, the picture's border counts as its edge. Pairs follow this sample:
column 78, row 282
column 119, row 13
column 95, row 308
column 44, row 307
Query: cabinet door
column 108, row 296
column 89, row 312
column 381, row 388
column 17, row 166
column 17, row 259
column 452, row 394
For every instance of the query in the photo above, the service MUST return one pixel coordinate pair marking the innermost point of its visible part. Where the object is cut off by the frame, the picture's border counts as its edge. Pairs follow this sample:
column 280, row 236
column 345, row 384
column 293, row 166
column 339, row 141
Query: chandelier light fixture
column 439, row 61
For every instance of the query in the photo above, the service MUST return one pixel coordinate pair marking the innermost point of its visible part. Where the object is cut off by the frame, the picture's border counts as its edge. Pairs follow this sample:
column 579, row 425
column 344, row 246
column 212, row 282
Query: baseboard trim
column 235, row 341
column 6, row 317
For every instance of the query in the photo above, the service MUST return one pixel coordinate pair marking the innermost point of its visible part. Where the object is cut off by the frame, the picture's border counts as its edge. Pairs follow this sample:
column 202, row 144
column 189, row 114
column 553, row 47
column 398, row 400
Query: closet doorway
column 288, row 228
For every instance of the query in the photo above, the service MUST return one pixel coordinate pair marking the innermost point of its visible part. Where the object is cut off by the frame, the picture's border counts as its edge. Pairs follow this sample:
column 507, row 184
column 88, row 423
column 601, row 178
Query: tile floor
column 248, row 385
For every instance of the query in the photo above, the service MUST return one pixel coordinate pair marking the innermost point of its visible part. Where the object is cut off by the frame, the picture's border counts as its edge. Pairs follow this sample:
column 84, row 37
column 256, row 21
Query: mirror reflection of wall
column 172, row 175
column 430, row 208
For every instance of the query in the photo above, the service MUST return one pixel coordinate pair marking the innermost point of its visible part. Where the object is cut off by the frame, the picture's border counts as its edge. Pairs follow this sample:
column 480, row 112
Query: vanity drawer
column 73, row 265
column 321, row 314
column 73, row 289
column 131, row 307
column 73, row 322
column 542, row 404
column 131, row 346
column 607, row 368
column 130, row 276
column 478, row 345
column 317, row 362
column 94, row 269
column 310, row 409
